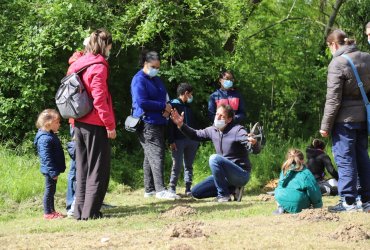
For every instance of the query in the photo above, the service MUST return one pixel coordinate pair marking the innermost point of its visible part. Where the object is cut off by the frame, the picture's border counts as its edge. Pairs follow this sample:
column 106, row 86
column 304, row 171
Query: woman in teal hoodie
column 297, row 188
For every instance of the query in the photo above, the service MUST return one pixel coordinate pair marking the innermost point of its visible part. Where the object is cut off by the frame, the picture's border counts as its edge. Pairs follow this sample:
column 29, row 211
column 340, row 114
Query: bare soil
column 265, row 197
column 192, row 229
column 319, row 214
column 350, row 232
column 178, row 211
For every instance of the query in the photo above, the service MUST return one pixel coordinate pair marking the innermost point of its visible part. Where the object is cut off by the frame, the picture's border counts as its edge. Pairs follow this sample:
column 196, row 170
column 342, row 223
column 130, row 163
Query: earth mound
column 187, row 230
column 318, row 214
column 176, row 211
column 350, row 232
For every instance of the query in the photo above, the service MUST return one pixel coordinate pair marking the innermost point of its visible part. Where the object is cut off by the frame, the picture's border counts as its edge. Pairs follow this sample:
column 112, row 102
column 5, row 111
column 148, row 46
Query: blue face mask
column 152, row 72
column 368, row 41
column 227, row 84
column 190, row 100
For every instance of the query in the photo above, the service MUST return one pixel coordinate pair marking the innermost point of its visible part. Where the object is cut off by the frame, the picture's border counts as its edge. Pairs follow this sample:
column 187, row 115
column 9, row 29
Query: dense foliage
column 276, row 49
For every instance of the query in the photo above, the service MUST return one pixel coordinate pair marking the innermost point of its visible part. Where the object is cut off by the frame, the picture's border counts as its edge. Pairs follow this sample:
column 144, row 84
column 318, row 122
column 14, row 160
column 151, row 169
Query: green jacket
column 298, row 190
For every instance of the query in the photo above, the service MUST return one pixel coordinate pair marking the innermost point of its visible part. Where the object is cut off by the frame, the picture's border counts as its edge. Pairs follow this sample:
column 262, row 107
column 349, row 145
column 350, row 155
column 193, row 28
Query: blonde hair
column 46, row 117
column 293, row 157
column 98, row 42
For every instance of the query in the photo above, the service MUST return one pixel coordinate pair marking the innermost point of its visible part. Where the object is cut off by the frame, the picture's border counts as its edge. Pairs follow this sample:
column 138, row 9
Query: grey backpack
column 71, row 98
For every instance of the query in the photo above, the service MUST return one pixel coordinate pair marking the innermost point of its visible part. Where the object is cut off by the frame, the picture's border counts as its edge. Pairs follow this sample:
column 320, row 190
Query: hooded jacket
column 317, row 161
column 173, row 132
column 228, row 97
column 230, row 143
column 94, row 79
column 50, row 151
column 298, row 190
column 343, row 98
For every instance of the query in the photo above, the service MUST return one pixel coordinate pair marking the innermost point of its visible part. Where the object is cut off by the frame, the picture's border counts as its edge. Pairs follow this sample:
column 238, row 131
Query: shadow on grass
column 159, row 207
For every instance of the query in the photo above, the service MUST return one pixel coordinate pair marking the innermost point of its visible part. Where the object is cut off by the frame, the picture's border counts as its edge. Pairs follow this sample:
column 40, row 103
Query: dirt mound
column 176, row 211
column 271, row 185
column 350, row 232
column 316, row 215
column 182, row 246
column 187, row 230
column 265, row 197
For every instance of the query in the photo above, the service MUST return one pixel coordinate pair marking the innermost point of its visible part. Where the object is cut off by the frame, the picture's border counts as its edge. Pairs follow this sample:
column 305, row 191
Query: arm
column 248, row 141
column 140, row 95
column 313, row 191
column 329, row 166
column 45, row 149
column 333, row 97
column 100, row 95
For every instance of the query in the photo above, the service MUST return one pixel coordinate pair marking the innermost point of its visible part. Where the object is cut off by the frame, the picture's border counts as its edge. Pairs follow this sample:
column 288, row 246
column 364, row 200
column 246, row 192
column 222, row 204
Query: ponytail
column 98, row 42
column 294, row 157
column 339, row 37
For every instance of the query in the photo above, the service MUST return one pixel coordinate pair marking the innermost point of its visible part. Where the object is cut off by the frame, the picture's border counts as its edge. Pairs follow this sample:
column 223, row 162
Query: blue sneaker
column 366, row 207
column 342, row 206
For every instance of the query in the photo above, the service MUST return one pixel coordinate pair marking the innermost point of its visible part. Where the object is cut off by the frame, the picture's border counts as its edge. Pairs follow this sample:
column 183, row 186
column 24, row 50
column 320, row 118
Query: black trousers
column 93, row 156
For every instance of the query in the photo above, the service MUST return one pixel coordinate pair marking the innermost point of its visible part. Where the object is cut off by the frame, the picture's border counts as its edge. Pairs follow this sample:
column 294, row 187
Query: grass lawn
column 138, row 223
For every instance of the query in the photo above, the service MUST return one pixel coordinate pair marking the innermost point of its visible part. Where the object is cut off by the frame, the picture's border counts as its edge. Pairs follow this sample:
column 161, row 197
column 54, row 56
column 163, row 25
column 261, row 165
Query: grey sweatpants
column 152, row 140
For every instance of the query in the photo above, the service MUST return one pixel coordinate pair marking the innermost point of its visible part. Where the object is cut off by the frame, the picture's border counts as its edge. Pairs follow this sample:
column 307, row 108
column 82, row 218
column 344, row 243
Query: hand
column 176, row 118
column 324, row 133
column 168, row 108
column 55, row 178
column 173, row 147
column 251, row 139
column 166, row 114
column 112, row 134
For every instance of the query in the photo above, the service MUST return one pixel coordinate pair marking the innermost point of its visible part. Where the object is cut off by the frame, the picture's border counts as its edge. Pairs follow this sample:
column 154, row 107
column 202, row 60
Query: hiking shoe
column 222, row 199
column 238, row 194
column 107, row 206
column 149, row 194
column 166, row 195
column 342, row 206
column 366, row 207
column 279, row 210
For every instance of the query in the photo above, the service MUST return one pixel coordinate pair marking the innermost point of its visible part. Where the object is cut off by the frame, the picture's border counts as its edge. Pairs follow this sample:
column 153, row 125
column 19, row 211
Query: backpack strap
column 359, row 82
column 78, row 72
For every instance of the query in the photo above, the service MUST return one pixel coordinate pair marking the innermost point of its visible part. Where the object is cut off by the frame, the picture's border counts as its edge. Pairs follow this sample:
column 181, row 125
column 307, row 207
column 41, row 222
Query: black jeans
column 93, row 155
column 50, row 188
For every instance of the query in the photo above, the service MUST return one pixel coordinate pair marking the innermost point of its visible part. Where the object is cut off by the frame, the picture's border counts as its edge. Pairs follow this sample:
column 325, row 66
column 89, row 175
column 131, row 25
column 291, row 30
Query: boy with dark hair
column 183, row 149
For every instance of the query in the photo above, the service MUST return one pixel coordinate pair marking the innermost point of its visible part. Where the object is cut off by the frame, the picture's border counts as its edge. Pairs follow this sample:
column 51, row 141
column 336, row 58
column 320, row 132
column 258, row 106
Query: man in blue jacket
column 230, row 166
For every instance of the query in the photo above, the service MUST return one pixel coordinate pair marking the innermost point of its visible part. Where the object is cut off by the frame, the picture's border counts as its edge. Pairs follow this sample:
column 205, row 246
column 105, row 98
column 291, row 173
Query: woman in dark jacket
column 345, row 118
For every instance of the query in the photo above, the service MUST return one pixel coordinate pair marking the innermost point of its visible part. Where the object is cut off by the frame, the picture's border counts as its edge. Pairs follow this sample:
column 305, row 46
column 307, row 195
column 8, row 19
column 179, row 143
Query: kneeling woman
column 297, row 188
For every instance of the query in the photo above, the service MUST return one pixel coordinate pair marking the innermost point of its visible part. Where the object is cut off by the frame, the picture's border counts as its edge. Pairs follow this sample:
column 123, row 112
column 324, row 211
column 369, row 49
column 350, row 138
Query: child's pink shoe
column 59, row 215
column 51, row 216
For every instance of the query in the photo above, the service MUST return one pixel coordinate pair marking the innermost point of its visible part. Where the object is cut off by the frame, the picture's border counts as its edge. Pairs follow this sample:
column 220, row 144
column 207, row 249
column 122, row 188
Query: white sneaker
column 167, row 195
column 150, row 194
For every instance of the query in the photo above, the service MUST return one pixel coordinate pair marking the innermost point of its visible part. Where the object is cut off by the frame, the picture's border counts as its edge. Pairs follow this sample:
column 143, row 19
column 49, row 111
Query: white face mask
column 220, row 124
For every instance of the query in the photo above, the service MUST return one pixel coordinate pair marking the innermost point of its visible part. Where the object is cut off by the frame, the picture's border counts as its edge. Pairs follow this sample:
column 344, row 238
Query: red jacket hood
column 85, row 60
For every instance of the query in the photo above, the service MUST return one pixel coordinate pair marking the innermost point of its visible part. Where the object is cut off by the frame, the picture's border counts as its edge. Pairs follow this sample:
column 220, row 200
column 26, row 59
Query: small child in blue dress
column 52, row 161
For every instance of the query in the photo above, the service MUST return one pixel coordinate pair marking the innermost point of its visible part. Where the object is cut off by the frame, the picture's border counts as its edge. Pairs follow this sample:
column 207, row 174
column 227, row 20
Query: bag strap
column 78, row 72
column 359, row 82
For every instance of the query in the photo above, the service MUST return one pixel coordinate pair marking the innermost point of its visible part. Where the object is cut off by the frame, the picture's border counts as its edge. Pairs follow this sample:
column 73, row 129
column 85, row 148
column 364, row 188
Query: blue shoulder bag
column 363, row 93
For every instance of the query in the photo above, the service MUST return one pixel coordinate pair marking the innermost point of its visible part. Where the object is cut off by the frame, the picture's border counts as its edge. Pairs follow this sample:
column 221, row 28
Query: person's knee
column 213, row 159
column 195, row 193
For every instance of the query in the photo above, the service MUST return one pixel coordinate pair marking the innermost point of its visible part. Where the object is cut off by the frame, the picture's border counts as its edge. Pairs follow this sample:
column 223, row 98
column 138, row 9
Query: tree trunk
column 333, row 15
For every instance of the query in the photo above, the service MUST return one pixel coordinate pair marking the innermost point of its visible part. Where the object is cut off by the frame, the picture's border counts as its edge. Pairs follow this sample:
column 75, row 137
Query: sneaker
column 188, row 193
column 366, row 207
column 70, row 213
column 279, row 210
column 172, row 190
column 149, row 194
column 238, row 194
column 60, row 215
column 222, row 199
column 107, row 206
column 166, row 195
column 342, row 206
column 52, row 216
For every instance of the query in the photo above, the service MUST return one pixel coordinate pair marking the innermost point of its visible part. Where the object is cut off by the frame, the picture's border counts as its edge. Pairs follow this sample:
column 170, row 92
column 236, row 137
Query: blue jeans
column 71, row 185
column 50, row 188
column 226, row 175
column 350, row 144
column 185, row 154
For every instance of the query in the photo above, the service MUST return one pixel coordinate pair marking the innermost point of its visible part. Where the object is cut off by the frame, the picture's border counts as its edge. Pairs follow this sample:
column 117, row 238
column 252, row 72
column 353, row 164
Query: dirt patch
column 316, row 215
column 265, row 197
column 350, row 232
column 187, row 230
column 182, row 246
column 179, row 210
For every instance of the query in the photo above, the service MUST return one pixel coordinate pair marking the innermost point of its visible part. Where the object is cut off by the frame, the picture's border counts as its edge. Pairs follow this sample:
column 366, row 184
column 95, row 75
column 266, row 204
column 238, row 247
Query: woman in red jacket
column 94, row 130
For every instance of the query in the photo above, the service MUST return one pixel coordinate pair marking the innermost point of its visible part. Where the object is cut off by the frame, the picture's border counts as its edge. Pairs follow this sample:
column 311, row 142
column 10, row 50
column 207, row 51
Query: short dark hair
column 224, row 72
column 148, row 56
column 229, row 110
column 183, row 87
column 318, row 144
